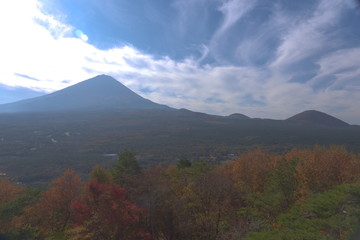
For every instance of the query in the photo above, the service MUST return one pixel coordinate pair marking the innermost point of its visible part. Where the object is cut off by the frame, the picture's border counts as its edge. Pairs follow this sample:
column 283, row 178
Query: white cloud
column 37, row 45
column 48, row 51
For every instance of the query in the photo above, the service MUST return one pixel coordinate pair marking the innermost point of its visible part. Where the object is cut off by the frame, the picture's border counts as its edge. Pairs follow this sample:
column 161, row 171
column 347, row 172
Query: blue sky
column 267, row 59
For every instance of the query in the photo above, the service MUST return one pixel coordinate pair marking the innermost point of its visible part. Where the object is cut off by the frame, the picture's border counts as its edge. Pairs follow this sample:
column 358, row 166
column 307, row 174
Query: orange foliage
column 251, row 170
column 53, row 213
column 9, row 191
column 322, row 168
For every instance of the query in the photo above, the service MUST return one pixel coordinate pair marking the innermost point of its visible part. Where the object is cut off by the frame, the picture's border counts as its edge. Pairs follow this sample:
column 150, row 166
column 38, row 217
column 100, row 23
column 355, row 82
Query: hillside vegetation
column 36, row 147
column 304, row 194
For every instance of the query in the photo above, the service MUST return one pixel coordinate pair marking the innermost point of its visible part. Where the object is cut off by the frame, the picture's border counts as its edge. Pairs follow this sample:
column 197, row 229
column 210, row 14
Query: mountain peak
column 102, row 78
column 102, row 92
column 313, row 117
column 238, row 116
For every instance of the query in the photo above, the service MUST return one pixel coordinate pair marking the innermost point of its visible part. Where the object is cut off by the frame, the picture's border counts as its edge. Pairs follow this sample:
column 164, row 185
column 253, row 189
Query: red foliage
column 104, row 213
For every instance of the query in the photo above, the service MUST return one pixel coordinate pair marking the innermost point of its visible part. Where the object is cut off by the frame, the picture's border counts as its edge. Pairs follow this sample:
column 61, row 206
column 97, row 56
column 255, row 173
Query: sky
column 264, row 59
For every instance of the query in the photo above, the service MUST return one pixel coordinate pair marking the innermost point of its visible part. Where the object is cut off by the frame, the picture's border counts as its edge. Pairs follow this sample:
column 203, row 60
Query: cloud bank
column 260, row 59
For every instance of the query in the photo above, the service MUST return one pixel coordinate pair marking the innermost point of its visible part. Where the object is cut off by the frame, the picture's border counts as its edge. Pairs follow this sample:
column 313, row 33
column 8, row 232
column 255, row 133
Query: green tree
column 11, row 211
column 127, row 173
column 184, row 163
column 126, row 163
column 280, row 189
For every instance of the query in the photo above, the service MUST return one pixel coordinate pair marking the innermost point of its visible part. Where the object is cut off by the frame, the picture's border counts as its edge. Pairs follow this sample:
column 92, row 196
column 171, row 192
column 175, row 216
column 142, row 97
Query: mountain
column 313, row 117
column 99, row 93
column 238, row 116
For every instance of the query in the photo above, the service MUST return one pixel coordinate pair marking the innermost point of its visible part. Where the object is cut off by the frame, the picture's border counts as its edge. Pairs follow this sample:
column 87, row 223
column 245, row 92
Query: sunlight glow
column 80, row 34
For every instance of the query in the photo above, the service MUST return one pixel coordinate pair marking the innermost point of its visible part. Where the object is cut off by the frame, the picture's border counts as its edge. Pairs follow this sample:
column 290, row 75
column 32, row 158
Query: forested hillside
column 303, row 194
column 36, row 147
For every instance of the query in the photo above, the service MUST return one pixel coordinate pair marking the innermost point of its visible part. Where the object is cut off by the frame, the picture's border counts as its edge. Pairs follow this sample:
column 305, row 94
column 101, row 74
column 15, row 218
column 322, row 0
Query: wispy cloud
column 26, row 76
column 338, row 70
column 232, row 11
column 308, row 36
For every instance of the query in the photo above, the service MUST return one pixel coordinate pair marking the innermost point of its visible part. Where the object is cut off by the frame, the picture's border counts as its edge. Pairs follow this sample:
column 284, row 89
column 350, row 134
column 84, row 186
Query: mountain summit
column 99, row 93
column 313, row 117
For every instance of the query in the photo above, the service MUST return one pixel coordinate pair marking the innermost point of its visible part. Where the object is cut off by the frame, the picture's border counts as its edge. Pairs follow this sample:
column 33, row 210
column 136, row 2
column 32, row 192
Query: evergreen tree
column 126, row 163
column 125, row 172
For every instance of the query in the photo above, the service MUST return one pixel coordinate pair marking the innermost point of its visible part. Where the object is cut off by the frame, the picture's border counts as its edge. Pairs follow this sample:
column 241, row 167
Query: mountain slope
column 99, row 93
column 313, row 117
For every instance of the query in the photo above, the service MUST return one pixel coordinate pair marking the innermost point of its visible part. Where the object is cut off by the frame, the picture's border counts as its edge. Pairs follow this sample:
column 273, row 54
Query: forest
column 36, row 147
column 311, row 194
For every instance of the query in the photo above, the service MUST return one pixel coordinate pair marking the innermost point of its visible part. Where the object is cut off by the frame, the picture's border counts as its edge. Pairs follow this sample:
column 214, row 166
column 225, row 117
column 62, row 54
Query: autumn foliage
column 251, row 170
column 71, row 209
column 303, row 194
column 9, row 191
column 321, row 168
column 103, row 213
column 53, row 213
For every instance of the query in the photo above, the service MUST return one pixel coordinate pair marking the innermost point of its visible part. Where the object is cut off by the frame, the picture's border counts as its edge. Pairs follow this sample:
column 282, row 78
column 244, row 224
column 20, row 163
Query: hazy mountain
column 313, row 117
column 99, row 93
column 238, row 116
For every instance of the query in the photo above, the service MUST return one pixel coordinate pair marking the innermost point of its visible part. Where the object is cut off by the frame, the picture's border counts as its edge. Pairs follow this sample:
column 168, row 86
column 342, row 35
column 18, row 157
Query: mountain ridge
column 104, row 93
column 97, row 93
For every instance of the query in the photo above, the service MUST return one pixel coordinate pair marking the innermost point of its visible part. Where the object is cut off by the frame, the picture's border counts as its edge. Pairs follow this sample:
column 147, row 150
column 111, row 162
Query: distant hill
column 313, row 117
column 238, row 116
column 99, row 93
